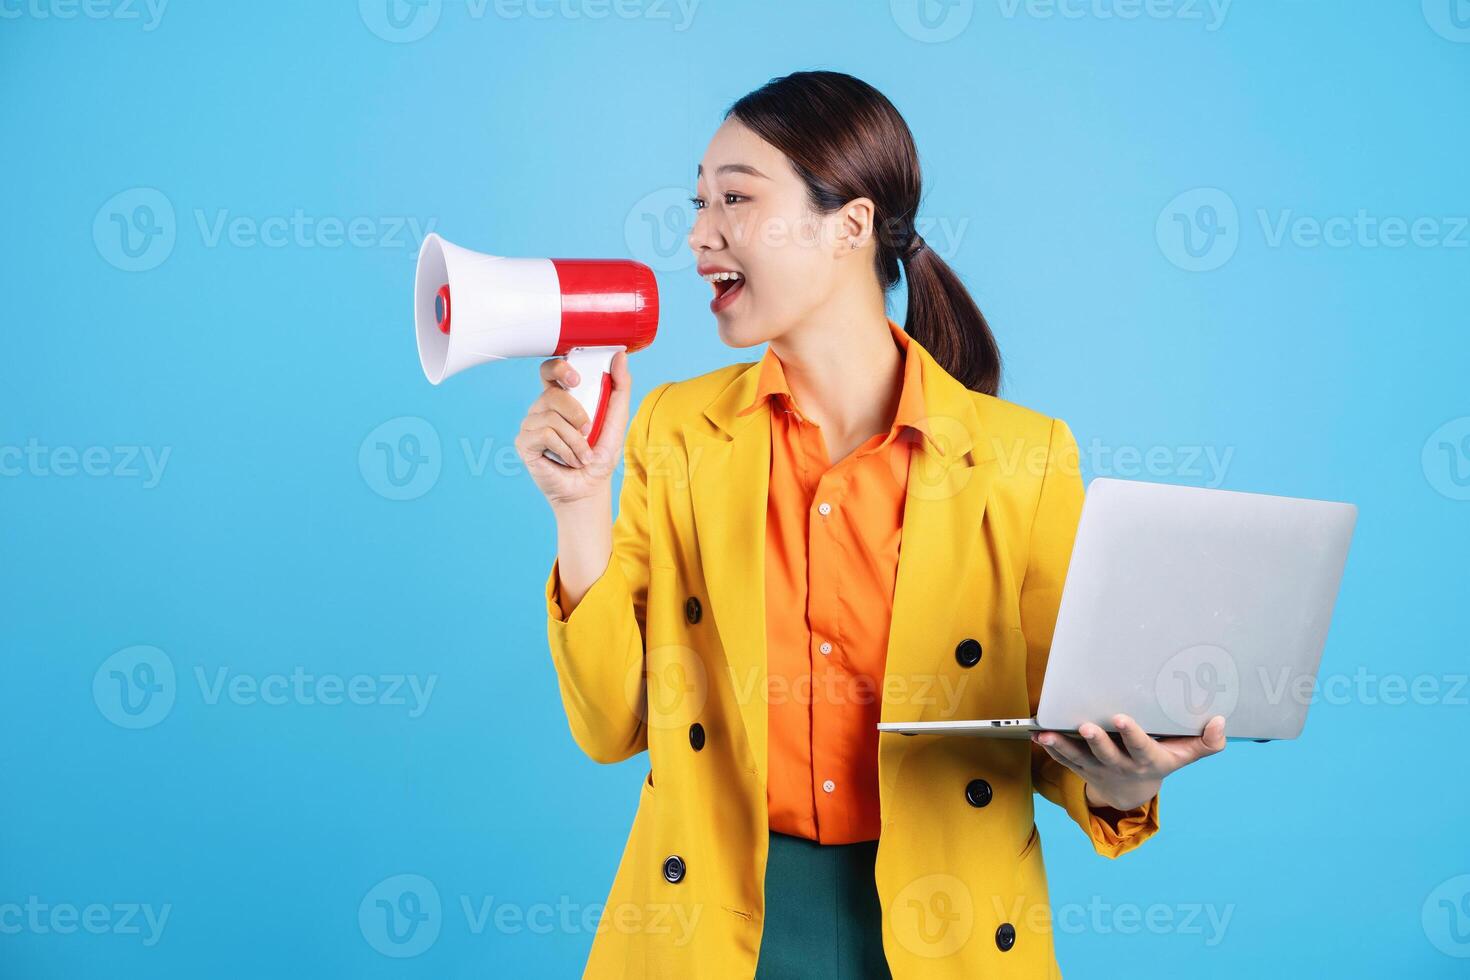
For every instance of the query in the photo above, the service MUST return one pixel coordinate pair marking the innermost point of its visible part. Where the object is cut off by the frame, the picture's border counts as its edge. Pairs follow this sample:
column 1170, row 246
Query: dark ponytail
column 846, row 140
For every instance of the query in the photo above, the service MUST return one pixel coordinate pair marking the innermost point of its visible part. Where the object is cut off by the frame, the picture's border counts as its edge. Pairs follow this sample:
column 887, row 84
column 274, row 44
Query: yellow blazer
column 672, row 636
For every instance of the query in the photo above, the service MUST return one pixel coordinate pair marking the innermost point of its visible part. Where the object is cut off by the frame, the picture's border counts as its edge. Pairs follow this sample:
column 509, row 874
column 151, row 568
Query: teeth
column 722, row 276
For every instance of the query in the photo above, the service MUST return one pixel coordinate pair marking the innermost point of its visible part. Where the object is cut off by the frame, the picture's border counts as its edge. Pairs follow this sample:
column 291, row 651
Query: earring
column 852, row 244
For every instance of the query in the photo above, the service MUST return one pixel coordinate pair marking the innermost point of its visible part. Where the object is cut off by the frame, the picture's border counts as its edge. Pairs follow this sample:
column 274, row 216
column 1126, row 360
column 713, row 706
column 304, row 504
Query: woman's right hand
column 555, row 421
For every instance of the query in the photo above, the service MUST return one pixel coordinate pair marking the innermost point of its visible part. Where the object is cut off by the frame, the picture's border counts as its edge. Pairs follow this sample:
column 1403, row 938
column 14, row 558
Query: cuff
column 1133, row 828
column 600, row 593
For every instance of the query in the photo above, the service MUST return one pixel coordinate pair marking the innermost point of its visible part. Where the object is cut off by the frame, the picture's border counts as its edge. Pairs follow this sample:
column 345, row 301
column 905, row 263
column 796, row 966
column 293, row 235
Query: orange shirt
column 832, row 539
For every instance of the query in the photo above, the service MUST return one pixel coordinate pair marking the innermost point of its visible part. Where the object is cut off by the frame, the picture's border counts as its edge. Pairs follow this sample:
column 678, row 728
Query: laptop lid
column 1181, row 603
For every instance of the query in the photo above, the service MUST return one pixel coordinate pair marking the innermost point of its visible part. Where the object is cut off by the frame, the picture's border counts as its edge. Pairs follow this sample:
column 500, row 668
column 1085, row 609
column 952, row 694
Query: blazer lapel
column 942, row 538
column 729, row 478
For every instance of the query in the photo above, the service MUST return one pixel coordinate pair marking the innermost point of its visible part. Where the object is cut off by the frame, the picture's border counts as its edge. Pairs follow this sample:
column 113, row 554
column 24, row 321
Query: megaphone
column 471, row 307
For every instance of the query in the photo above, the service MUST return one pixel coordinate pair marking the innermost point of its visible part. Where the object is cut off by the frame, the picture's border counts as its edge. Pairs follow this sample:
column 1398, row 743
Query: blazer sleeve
column 598, row 651
column 1053, row 531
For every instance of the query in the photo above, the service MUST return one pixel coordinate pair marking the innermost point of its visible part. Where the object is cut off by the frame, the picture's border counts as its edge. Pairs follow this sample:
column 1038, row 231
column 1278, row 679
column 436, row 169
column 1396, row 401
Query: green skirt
column 822, row 913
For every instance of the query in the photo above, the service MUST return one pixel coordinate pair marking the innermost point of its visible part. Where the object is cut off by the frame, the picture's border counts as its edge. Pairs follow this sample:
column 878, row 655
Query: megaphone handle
column 593, row 389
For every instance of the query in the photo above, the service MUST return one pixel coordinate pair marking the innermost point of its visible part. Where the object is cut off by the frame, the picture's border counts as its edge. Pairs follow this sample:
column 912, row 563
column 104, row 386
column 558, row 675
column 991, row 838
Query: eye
column 699, row 204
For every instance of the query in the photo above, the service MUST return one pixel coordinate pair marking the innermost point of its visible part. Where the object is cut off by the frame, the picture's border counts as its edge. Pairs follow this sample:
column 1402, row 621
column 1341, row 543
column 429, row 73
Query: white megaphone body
column 470, row 308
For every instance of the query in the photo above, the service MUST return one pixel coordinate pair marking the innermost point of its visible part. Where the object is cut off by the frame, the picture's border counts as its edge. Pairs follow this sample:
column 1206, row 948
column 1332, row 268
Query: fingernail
column 573, row 378
column 586, row 428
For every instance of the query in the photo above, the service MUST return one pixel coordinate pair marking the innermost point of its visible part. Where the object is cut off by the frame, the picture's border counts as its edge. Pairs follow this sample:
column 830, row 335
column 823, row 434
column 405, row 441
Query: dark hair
column 846, row 140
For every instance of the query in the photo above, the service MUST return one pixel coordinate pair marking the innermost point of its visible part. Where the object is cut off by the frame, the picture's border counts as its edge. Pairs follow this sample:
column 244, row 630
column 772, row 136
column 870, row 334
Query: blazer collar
column 951, row 422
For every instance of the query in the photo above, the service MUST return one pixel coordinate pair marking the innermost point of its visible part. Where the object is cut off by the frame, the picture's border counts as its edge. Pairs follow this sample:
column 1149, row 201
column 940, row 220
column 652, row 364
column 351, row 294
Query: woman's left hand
column 1126, row 774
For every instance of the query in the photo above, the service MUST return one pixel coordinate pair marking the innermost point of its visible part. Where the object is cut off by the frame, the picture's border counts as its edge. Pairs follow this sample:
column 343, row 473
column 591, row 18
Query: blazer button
column 968, row 652
column 696, row 736
column 978, row 792
column 674, row 869
column 1005, row 936
column 691, row 609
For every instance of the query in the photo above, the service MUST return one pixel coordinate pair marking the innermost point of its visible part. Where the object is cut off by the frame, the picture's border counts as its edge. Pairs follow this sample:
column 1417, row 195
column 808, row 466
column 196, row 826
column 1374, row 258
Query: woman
column 853, row 529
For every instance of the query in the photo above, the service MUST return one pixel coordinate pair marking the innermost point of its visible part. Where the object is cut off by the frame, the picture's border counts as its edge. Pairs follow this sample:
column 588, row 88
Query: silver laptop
column 1182, row 603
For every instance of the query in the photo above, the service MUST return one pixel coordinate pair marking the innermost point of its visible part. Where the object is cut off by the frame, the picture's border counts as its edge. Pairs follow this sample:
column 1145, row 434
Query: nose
column 703, row 234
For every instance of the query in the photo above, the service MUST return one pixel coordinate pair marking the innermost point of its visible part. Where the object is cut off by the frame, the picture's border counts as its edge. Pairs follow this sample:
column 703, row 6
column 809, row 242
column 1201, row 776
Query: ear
column 855, row 224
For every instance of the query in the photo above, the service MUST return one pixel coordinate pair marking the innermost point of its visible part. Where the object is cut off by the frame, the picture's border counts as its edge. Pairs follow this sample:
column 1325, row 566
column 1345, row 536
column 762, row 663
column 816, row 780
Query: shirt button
column 829, row 786
column 825, row 648
column 824, row 509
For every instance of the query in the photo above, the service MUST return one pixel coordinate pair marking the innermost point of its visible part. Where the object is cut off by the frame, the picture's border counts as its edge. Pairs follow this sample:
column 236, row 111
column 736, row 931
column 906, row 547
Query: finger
column 549, row 439
column 1215, row 740
column 565, row 404
column 1102, row 747
column 1068, row 761
column 569, row 434
column 1140, row 745
column 1073, row 757
column 558, row 369
column 1209, row 742
column 547, row 430
column 1189, row 748
column 1068, row 750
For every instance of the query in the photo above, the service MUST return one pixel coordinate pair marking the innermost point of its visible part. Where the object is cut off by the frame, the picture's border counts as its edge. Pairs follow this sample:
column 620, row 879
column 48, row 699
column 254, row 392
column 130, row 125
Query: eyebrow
column 733, row 168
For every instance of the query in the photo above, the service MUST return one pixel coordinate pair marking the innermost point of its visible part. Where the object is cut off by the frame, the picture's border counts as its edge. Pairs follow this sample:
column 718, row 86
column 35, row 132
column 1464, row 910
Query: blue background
column 1074, row 147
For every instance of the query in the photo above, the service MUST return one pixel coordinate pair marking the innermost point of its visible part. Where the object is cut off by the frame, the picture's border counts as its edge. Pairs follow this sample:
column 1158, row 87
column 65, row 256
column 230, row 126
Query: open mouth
column 726, row 286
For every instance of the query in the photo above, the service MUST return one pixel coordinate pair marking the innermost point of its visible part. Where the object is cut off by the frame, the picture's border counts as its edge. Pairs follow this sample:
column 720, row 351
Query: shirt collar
column 911, row 412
